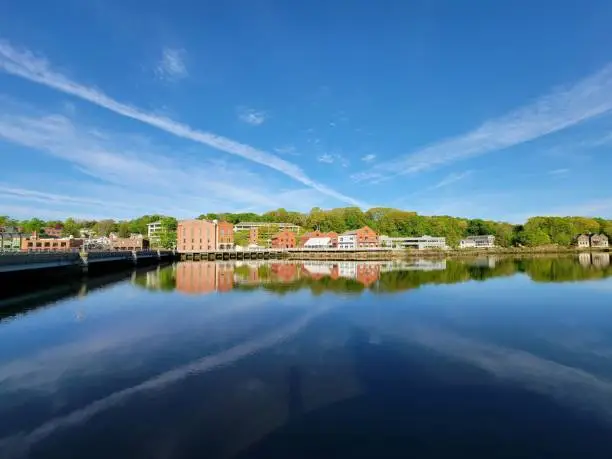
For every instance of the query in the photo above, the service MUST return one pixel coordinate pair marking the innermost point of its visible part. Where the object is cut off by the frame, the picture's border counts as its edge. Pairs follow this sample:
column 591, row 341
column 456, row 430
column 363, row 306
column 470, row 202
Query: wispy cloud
column 560, row 109
column 330, row 158
column 450, row 179
column 286, row 150
column 128, row 169
column 25, row 64
column 172, row 66
column 251, row 116
column 558, row 172
column 368, row 158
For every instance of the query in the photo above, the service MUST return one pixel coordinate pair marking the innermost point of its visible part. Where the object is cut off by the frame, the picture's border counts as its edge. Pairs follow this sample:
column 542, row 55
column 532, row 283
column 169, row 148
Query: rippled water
column 432, row 358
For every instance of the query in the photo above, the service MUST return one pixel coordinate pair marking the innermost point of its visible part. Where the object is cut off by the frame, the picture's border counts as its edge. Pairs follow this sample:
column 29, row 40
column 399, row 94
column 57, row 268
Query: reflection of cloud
column 17, row 445
column 565, row 384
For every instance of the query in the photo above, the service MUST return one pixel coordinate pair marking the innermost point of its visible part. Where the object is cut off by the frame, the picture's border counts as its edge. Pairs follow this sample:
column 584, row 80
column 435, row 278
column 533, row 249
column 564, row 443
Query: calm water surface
column 478, row 358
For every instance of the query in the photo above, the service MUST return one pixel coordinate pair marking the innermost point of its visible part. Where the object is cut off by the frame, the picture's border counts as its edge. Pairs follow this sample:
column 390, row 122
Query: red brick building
column 53, row 231
column 332, row 235
column 225, row 235
column 365, row 237
column 129, row 243
column 284, row 240
column 50, row 244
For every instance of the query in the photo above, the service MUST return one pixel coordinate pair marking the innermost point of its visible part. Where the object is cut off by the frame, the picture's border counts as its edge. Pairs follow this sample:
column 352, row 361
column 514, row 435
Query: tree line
column 537, row 231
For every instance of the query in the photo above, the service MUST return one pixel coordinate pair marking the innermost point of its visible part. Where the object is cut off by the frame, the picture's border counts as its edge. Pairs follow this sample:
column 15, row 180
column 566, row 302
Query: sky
column 114, row 109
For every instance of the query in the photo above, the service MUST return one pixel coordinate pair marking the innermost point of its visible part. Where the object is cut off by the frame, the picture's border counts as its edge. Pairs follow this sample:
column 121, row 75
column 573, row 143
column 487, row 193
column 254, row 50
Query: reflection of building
column 367, row 274
column 584, row 259
column 477, row 242
column 204, row 277
column 600, row 259
column 284, row 272
column 284, row 240
column 421, row 243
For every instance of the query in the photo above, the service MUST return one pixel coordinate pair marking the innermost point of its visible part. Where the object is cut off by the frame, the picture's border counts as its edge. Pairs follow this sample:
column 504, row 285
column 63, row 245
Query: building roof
column 318, row 241
column 599, row 236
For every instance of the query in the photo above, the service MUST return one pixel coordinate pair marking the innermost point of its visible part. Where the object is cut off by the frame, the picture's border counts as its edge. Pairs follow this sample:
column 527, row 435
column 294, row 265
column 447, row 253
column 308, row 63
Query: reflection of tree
column 285, row 278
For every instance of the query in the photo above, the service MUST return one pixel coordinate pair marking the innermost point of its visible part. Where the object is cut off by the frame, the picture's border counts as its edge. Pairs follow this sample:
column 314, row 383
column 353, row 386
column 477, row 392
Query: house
column 599, row 241
column 10, row 239
column 477, row 242
column 318, row 243
column 360, row 238
column 284, row 240
column 311, row 234
column 583, row 241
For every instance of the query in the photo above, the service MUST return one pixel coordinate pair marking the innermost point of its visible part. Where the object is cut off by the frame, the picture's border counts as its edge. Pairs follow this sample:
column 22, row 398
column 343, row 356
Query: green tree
column 124, row 229
column 105, row 227
column 241, row 238
column 71, row 228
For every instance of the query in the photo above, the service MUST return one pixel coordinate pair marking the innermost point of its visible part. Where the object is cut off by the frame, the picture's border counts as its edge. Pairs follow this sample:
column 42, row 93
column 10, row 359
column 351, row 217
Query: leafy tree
column 71, row 228
column 34, row 224
column 241, row 238
column 124, row 229
column 105, row 227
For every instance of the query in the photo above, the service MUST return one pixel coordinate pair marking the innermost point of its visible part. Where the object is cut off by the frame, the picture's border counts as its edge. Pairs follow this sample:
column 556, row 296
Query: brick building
column 204, row 235
column 53, row 231
column 35, row 243
column 225, row 235
column 332, row 235
column 359, row 238
column 134, row 242
column 284, row 240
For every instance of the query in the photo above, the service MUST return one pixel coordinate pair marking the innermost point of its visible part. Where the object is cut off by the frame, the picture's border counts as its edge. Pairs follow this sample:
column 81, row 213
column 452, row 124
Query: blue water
column 477, row 358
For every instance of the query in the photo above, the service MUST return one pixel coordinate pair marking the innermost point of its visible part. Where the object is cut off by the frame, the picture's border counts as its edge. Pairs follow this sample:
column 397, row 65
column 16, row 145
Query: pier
column 33, row 261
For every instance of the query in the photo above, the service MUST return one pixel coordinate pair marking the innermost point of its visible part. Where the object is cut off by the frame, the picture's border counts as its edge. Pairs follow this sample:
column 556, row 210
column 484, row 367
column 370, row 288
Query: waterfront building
column 204, row 235
column 319, row 243
column 599, row 241
column 134, row 242
column 284, row 240
column 246, row 226
column 53, row 231
column 360, row 238
column 10, row 241
column 583, row 241
column 411, row 242
column 154, row 230
column 35, row 243
column 477, row 242
column 311, row 234
column 225, row 235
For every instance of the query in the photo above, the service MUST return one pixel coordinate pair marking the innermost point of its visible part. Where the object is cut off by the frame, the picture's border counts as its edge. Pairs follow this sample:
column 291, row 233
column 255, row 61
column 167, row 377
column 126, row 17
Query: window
column 30, row 244
column 47, row 244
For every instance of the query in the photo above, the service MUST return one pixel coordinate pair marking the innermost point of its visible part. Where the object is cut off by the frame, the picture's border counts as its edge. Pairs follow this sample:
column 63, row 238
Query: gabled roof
column 318, row 241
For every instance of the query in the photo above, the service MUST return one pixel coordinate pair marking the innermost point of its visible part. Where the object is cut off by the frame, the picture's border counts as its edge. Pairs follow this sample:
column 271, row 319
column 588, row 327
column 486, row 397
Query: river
column 488, row 357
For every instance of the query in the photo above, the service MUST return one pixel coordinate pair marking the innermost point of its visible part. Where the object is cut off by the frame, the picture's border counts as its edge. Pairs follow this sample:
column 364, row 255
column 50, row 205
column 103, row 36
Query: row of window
column 47, row 244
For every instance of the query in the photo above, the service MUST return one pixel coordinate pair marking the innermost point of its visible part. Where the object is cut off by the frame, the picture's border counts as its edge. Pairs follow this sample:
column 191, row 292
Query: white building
column 318, row 243
column 477, row 242
column 421, row 243
column 347, row 241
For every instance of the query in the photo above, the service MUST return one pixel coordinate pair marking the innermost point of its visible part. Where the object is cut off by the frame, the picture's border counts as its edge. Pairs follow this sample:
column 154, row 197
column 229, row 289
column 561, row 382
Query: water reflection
column 357, row 276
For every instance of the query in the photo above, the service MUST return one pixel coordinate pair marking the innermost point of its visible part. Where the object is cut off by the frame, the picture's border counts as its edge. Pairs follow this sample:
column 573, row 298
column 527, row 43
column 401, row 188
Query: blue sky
column 115, row 109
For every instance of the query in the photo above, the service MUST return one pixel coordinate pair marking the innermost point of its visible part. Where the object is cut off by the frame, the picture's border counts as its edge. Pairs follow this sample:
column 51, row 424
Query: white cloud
column 172, row 66
column 368, row 158
column 251, row 116
column 25, row 64
column 135, row 176
column 286, row 150
column 330, row 158
column 450, row 179
column 558, row 110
